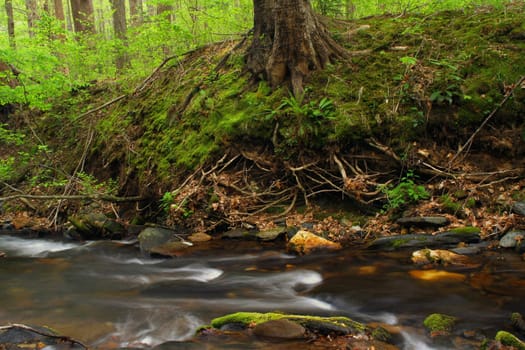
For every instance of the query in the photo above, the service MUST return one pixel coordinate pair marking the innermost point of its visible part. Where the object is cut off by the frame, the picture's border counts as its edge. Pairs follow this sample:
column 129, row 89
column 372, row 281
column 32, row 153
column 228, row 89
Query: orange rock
column 304, row 242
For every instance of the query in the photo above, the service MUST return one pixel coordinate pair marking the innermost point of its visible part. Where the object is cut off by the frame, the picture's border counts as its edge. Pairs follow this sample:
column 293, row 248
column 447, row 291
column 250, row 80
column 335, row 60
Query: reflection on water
column 106, row 292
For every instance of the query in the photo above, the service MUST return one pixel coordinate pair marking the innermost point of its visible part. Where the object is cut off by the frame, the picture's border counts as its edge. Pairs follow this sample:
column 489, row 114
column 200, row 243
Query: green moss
column 439, row 323
column 467, row 230
column 509, row 339
column 245, row 318
column 381, row 334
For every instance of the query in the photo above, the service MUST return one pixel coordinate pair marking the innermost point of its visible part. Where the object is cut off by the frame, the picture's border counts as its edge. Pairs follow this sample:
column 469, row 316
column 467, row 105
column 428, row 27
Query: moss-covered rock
column 320, row 325
column 510, row 339
column 439, row 323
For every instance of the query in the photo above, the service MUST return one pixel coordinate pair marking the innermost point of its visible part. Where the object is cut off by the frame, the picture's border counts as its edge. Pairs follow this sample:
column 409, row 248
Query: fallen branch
column 106, row 198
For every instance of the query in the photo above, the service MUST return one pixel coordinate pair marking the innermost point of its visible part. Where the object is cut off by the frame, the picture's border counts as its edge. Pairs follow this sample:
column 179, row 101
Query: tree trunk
column 82, row 11
column 59, row 10
column 32, row 16
column 289, row 41
column 136, row 12
column 10, row 22
column 120, row 29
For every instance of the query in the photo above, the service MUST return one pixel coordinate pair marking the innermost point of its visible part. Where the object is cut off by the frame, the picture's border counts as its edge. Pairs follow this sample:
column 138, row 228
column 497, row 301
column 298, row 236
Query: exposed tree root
column 246, row 187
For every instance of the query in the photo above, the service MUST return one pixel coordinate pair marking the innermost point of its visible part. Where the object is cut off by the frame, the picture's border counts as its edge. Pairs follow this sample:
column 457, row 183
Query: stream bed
column 107, row 294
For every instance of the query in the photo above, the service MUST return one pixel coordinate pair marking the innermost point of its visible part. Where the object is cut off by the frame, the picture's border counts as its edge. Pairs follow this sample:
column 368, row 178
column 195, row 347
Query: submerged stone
column 439, row 256
column 282, row 328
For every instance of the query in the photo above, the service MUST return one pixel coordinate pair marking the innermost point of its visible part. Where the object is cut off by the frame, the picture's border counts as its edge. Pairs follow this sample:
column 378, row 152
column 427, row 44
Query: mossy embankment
column 414, row 89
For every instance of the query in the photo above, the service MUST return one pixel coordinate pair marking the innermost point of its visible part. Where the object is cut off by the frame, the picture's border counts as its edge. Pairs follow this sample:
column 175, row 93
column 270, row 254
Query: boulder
column 96, row 226
column 304, row 242
column 152, row 237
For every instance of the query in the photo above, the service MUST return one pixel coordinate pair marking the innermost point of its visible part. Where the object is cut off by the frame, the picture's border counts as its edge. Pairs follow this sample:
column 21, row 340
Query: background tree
column 119, row 27
column 136, row 12
column 32, row 15
column 10, row 22
column 59, row 10
column 289, row 41
column 82, row 11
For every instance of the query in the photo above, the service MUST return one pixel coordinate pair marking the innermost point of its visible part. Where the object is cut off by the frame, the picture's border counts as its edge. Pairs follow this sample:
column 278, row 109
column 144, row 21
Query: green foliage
column 447, row 82
column 90, row 185
column 7, row 168
column 9, row 137
column 404, row 193
column 302, row 121
column 166, row 201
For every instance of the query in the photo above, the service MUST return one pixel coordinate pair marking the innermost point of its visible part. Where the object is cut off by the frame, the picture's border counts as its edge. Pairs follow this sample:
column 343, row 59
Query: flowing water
column 108, row 293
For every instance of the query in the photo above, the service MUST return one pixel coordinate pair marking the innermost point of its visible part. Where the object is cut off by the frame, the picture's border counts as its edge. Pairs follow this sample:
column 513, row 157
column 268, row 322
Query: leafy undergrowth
column 387, row 131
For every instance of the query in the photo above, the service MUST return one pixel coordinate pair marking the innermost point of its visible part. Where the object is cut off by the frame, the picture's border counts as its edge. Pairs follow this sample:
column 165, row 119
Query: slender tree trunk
column 59, row 10
column 32, row 16
column 136, row 12
column 289, row 42
column 120, row 29
column 82, row 11
column 166, row 11
column 349, row 9
column 10, row 23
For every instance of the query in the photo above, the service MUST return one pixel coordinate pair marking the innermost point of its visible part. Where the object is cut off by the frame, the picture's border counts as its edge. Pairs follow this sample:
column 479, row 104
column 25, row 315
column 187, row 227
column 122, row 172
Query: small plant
column 91, row 186
column 166, row 201
column 404, row 193
column 302, row 121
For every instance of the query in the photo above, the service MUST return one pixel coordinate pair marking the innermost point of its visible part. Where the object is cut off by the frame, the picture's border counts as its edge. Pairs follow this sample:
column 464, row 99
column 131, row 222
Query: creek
column 106, row 292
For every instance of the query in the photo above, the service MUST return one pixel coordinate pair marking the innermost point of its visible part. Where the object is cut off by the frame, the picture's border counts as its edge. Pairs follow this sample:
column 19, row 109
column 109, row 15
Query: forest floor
column 426, row 118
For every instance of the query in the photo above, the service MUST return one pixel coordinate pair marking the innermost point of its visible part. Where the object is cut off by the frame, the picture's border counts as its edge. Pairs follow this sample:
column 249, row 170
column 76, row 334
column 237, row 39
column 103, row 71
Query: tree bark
column 59, row 10
column 136, row 12
column 120, row 29
column 32, row 16
column 10, row 22
column 82, row 11
column 289, row 41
